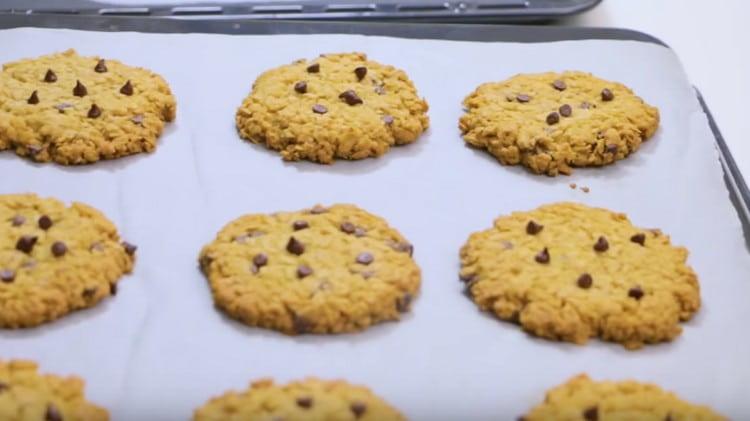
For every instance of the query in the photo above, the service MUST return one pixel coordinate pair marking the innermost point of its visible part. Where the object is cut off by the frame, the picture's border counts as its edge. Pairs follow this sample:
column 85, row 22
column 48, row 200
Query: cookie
column 309, row 399
column 26, row 394
column 570, row 272
column 77, row 110
column 581, row 399
column 551, row 122
column 321, row 270
column 55, row 259
column 338, row 106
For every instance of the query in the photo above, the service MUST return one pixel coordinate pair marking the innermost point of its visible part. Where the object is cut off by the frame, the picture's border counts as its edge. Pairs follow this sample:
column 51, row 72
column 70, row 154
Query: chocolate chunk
column 319, row 109
column 591, row 414
column 50, row 76
column 612, row 148
column 402, row 304
column 348, row 227
column 294, row 246
column 94, row 111
column 26, row 243
column 601, row 245
column 79, row 89
column 559, row 85
column 33, row 99
column 313, row 68
column 300, row 225
column 318, row 209
column 100, row 67
column 17, row 221
column 113, row 288
column 129, row 248
column 137, row 119
column 350, row 97
column 607, row 95
column 585, row 281
column 304, row 271
column 553, row 118
column 300, row 87
column 305, row 402
column 127, row 89
column 360, row 72
column 542, row 256
column 532, row 228
column 52, row 414
column 7, row 275
column 44, row 222
column 89, row 293
column 260, row 260
column 388, row 119
column 635, row 292
column 566, row 110
column 523, row 98
column 639, row 238
column 365, row 258
column 358, row 408
column 59, row 249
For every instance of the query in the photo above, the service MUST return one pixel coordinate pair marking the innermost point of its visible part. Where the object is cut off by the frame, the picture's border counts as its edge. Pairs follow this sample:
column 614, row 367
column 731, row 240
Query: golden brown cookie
column 570, row 272
column 309, row 399
column 338, row 106
column 55, row 259
column 26, row 395
column 77, row 110
column 550, row 122
column 321, row 270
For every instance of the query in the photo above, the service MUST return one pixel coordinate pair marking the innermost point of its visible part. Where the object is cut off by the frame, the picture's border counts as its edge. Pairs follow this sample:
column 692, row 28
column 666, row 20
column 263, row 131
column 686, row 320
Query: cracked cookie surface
column 570, row 272
column 55, row 259
column 78, row 110
column 551, row 122
column 321, row 270
column 338, row 106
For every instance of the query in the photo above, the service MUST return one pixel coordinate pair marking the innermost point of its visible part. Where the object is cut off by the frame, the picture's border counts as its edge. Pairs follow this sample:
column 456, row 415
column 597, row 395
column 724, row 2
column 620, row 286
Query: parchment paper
column 159, row 349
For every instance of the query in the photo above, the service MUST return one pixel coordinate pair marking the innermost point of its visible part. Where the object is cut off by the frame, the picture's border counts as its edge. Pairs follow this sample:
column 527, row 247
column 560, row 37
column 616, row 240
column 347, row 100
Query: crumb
column 585, row 189
column 573, row 186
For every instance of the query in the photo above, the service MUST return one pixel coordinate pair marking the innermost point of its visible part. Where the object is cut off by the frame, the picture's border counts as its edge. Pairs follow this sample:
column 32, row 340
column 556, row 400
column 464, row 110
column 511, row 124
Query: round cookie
column 339, row 106
column 322, row 270
column 581, row 399
column 77, row 110
column 569, row 272
column 55, row 259
column 550, row 122
column 309, row 399
column 27, row 395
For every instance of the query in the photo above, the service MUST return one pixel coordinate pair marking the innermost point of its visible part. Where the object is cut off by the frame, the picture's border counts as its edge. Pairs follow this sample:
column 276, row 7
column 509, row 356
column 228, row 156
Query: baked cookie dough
column 27, row 395
column 320, row 270
column 581, row 399
column 338, row 106
column 570, row 272
column 551, row 122
column 77, row 110
column 55, row 259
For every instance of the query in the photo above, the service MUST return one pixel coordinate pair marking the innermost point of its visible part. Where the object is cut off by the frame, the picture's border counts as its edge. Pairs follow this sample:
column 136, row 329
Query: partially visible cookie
column 309, row 399
column 581, row 399
column 26, row 394
column 570, row 272
column 55, row 259
column 338, row 106
column 77, row 110
column 321, row 270
column 551, row 122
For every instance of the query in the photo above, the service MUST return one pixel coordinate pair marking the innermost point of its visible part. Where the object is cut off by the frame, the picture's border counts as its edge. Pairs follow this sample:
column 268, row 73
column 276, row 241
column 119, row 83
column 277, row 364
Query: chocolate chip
column 313, row 68
column 388, row 119
column 3, row 387
column 566, row 110
column 591, row 414
column 26, row 243
column 94, row 111
column 523, row 98
column 294, row 246
column 137, row 119
column 304, row 271
column 467, row 278
column 612, row 148
column 402, row 304
column 532, row 228
column 668, row 417
column 319, row 109
column 260, row 260
column 365, row 258
column 7, row 275
column 360, row 72
column 305, row 402
column 318, row 209
column 52, row 414
column 301, row 324
column 585, row 281
column 607, row 95
column 403, row 247
column 59, row 248
column 601, row 245
column 100, row 67
column 639, row 238
column 635, row 292
column 17, row 221
column 359, row 232
column 127, row 89
column 347, row 227
column 113, row 288
column 44, row 222
column 559, row 85
column 89, row 293
column 553, row 118
column 300, row 87
column 129, row 248
column 542, row 256
column 350, row 97
column 300, row 225
column 50, row 76
column 358, row 408
column 79, row 89
column 33, row 99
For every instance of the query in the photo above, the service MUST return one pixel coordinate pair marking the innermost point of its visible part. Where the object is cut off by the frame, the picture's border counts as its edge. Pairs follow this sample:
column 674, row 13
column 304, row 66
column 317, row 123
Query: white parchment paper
column 159, row 349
